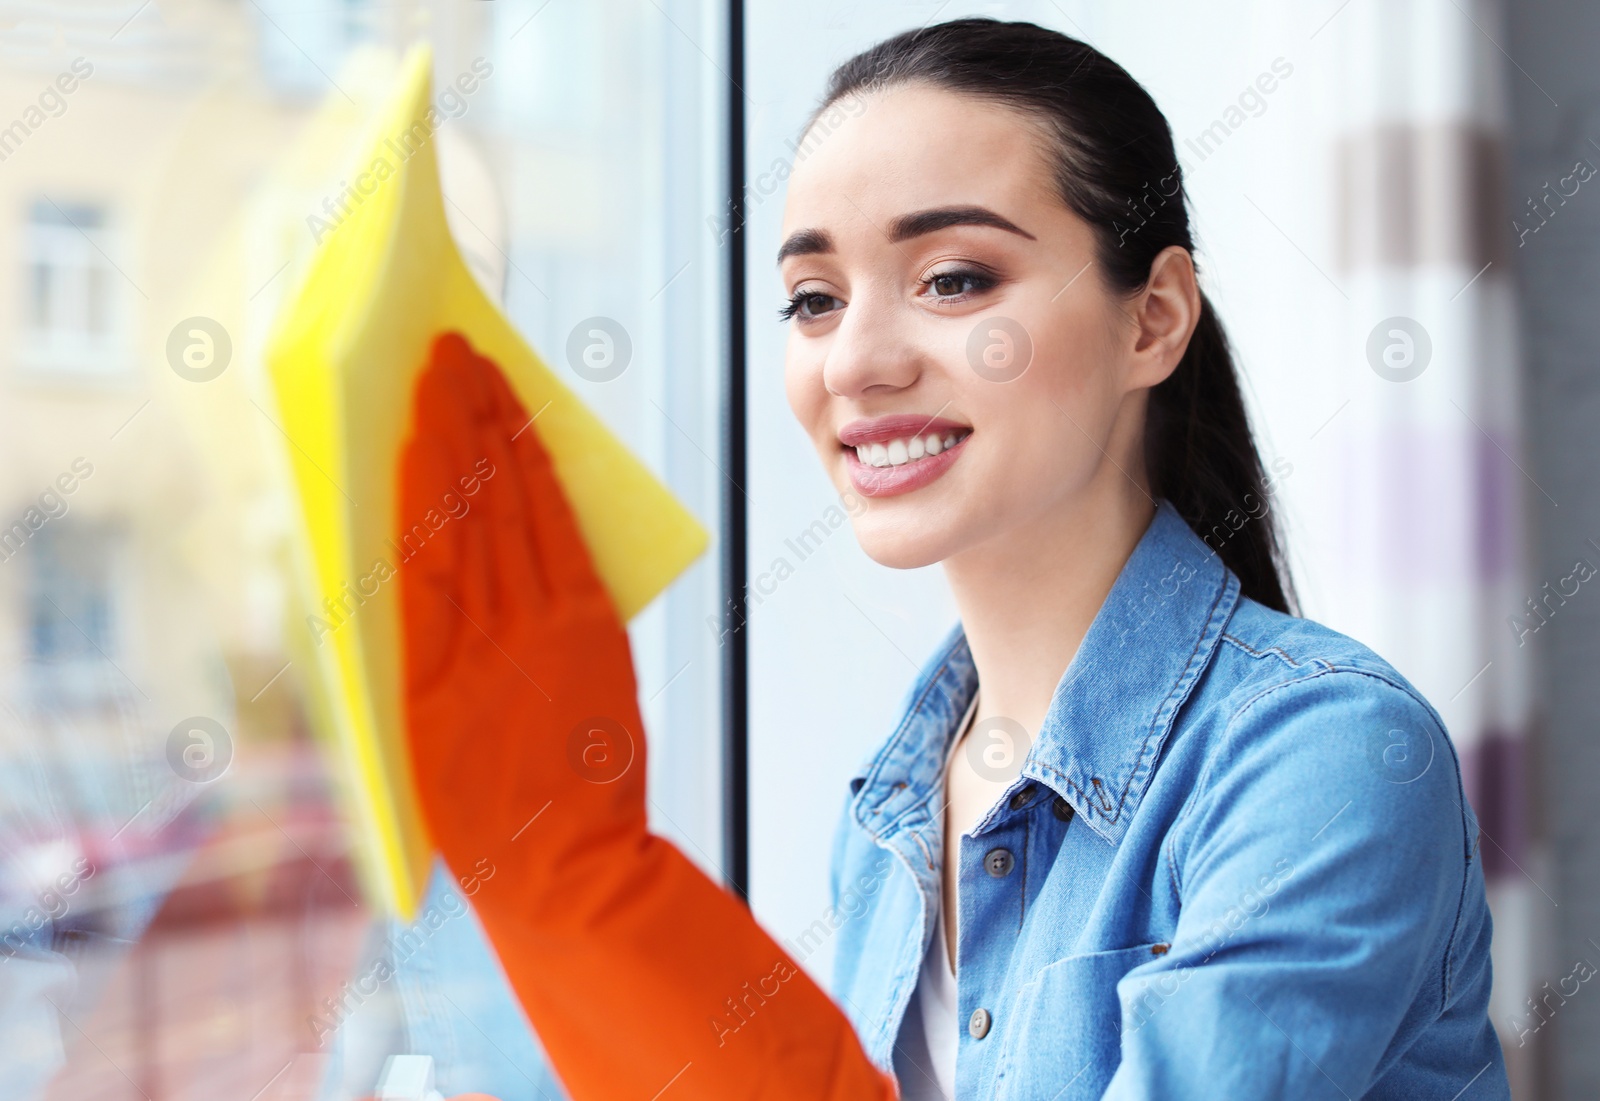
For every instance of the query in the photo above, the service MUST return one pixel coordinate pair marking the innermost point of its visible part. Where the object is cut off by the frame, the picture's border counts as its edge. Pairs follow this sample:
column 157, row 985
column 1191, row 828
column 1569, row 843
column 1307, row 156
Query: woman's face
column 953, row 352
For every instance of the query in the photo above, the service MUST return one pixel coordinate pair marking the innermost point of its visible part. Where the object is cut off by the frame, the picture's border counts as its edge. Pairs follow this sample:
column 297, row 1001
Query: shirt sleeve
column 1332, row 912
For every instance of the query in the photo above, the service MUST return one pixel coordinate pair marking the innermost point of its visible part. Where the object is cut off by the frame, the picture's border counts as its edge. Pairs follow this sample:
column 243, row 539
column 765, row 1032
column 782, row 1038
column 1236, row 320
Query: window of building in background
column 72, row 612
column 70, row 596
column 69, row 312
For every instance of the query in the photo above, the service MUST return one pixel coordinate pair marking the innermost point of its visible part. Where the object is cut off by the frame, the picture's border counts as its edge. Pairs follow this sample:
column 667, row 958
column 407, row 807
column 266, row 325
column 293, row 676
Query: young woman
column 1141, row 833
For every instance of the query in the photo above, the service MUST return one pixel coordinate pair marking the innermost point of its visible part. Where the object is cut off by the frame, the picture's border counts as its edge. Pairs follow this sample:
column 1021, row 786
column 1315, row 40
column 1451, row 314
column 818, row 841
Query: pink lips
column 888, row 481
column 883, row 429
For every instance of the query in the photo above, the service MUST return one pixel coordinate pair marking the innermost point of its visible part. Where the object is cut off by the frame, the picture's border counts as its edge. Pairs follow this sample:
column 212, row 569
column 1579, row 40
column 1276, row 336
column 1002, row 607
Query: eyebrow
column 809, row 242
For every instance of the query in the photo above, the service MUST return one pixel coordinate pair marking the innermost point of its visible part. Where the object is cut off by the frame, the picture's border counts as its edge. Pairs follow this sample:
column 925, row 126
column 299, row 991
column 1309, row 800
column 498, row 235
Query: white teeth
column 906, row 449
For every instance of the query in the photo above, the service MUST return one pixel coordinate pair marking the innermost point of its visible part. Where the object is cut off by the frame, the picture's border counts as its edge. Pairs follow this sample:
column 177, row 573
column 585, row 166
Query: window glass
column 180, row 914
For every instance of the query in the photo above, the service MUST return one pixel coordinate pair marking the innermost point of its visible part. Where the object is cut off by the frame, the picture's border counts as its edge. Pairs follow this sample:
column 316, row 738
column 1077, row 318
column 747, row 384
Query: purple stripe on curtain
column 1430, row 505
column 1408, row 505
column 1497, row 518
column 1494, row 773
column 1425, row 505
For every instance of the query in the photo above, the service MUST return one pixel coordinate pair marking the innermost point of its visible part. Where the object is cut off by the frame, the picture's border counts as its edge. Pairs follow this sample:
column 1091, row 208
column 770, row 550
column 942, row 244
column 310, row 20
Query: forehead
column 914, row 147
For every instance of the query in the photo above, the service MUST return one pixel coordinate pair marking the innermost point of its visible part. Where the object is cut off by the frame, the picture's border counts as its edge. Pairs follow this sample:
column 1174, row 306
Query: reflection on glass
column 180, row 914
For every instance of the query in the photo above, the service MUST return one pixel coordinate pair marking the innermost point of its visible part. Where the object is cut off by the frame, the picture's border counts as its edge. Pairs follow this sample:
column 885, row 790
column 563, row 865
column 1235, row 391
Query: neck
column 1027, row 597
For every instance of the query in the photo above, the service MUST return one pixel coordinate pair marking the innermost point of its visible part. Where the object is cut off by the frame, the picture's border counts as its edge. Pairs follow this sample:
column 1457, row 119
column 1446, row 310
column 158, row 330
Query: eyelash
column 980, row 281
column 788, row 311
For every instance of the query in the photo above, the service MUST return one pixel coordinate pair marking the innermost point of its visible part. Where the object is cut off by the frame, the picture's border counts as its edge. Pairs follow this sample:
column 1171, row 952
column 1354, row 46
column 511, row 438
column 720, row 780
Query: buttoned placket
column 1026, row 826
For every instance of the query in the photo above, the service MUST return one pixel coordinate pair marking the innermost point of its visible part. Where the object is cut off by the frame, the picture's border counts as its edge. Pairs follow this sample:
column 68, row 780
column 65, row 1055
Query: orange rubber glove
column 636, row 970
column 457, row 1097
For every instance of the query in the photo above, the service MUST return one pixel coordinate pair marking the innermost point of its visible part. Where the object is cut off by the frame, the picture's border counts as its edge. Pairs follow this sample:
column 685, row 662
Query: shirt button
column 979, row 1023
column 1061, row 809
column 1023, row 797
column 999, row 862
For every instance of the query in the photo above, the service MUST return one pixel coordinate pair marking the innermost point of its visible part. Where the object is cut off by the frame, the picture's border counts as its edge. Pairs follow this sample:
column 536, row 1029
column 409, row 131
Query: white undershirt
column 936, row 998
column 935, row 995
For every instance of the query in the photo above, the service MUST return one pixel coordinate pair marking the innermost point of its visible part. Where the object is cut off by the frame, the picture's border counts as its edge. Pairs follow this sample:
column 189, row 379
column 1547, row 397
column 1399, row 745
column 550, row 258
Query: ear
column 1165, row 314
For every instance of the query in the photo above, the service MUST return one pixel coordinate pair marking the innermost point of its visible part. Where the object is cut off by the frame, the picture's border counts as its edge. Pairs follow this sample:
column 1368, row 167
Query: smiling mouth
column 908, row 449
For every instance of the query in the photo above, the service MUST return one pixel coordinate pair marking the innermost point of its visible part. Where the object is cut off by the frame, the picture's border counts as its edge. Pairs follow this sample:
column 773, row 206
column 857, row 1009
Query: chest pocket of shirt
column 1064, row 1039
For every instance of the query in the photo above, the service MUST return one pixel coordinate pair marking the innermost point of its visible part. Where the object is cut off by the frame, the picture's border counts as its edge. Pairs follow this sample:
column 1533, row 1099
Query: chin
column 907, row 545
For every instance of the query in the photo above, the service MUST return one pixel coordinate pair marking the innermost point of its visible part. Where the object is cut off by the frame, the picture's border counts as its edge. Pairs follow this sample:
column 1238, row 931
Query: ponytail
column 1201, row 456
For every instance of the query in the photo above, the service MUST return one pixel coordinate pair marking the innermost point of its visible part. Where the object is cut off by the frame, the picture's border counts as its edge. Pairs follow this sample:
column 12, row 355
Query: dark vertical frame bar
column 735, row 518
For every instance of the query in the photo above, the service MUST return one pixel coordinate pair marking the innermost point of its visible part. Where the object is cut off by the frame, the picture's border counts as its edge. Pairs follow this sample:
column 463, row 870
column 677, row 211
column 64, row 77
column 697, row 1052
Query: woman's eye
column 808, row 305
column 953, row 284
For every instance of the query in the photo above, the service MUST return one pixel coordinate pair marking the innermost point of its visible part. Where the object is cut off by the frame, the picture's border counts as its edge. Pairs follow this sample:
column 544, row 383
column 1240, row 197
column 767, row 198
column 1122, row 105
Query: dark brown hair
column 1115, row 168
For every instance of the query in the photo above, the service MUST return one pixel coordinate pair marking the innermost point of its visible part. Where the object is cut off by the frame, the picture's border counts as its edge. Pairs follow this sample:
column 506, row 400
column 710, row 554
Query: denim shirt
column 1237, row 863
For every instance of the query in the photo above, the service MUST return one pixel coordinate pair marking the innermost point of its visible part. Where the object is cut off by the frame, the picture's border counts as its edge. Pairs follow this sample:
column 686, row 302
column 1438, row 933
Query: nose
column 871, row 353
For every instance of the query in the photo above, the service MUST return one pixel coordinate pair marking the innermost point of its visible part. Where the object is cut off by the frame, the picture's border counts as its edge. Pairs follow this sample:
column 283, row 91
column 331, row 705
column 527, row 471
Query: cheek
column 803, row 386
column 1074, row 379
column 1031, row 451
column 1045, row 431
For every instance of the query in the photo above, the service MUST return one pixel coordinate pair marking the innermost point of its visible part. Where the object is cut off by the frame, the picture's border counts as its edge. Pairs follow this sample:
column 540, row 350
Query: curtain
column 1426, row 546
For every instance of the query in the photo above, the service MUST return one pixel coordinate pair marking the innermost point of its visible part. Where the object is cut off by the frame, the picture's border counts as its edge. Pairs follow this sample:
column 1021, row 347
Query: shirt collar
column 1112, row 709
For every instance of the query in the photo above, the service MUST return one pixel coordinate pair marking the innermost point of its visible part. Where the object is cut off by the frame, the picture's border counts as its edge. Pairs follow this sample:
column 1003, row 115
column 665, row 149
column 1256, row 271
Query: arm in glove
column 636, row 970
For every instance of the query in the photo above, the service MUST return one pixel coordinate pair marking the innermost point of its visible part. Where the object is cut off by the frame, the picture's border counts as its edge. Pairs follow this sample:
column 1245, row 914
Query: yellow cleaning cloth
column 386, row 280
